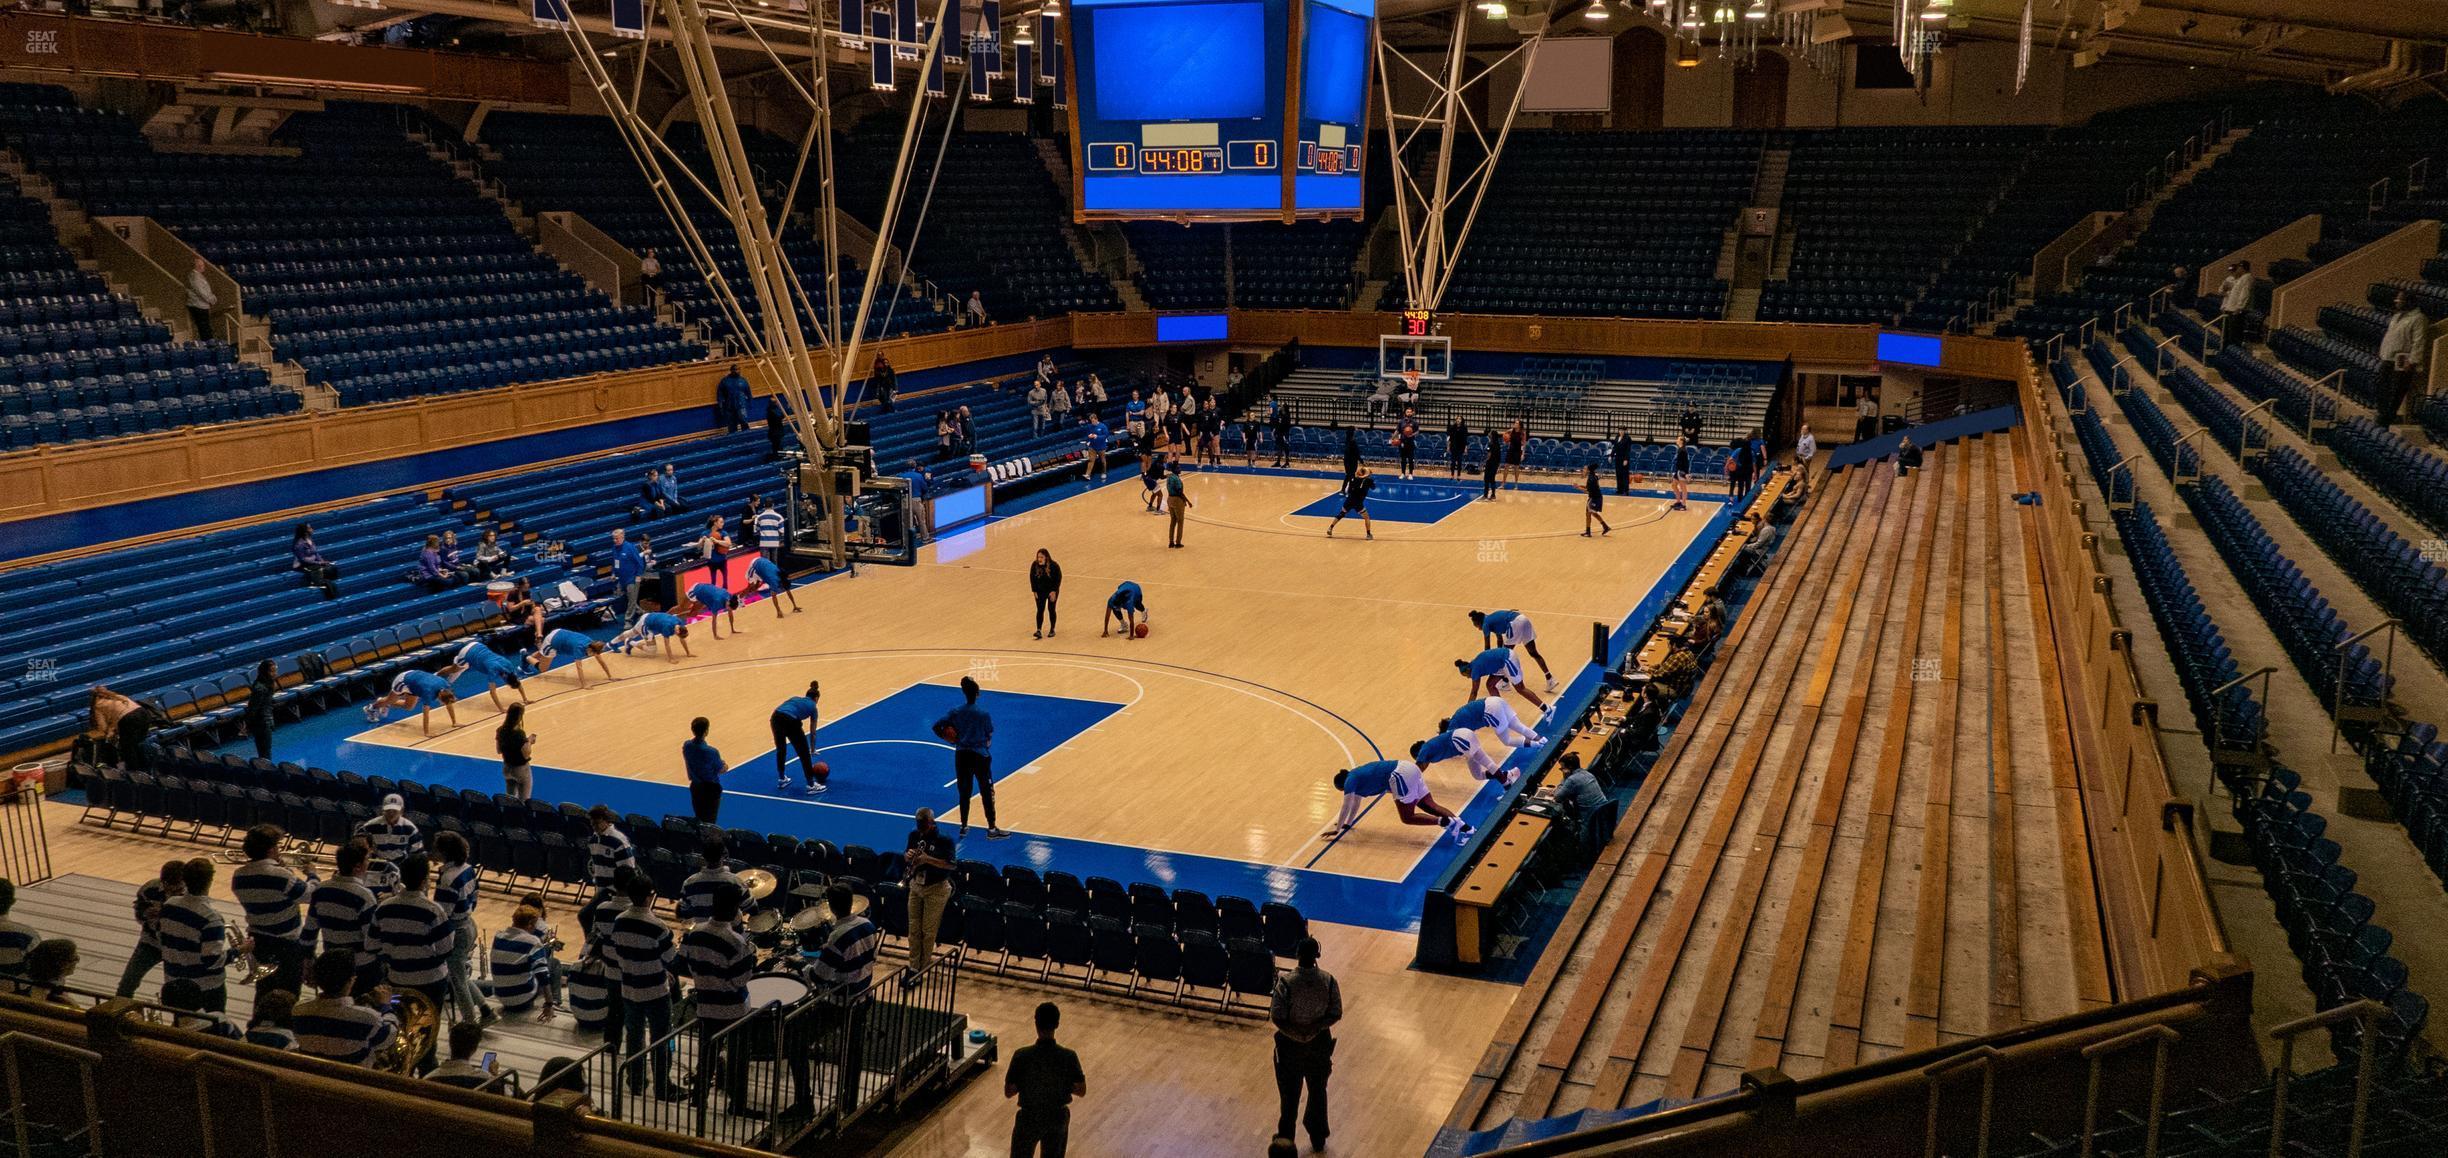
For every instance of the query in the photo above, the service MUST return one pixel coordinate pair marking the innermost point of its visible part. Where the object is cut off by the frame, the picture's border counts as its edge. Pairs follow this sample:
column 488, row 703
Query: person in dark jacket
column 1045, row 581
column 1351, row 454
column 310, row 563
column 882, row 381
column 259, row 707
column 775, row 428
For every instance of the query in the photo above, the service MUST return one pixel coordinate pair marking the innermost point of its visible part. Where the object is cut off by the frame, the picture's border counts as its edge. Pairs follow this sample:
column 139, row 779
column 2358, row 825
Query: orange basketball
column 1141, row 632
column 946, row 732
column 821, row 770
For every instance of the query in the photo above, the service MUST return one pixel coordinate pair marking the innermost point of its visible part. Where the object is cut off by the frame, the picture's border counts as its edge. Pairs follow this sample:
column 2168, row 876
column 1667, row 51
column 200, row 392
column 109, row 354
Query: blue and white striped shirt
column 769, row 527
column 606, row 852
column 642, row 948
column 393, row 841
column 194, row 941
column 148, row 928
column 590, row 995
column 846, row 962
column 338, row 1029
column 413, row 936
column 340, row 911
column 718, row 959
column 15, row 941
column 270, row 892
column 697, row 893
column 273, row 1036
column 519, row 968
column 455, row 890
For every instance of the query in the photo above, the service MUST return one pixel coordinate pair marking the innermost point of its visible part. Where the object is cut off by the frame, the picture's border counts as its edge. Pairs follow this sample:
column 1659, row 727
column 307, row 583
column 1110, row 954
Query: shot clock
column 1220, row 109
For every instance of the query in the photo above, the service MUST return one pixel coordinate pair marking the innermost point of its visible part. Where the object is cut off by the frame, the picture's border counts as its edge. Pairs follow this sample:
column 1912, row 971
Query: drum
column 815, row 917
column 499, row 591
column 764, row 928
column 771, row 997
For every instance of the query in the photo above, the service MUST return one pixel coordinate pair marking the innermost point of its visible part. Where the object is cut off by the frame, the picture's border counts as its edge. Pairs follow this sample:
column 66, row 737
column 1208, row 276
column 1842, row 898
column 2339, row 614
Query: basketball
column 821, row 770
column 945, row 732
column 1141, row 631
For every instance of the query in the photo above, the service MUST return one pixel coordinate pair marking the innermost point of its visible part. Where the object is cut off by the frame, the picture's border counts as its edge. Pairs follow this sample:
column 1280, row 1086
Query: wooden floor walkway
column 1864, row 838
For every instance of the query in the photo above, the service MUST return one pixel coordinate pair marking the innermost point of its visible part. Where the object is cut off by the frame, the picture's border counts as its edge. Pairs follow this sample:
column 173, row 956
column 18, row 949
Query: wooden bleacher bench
column 1507, row 852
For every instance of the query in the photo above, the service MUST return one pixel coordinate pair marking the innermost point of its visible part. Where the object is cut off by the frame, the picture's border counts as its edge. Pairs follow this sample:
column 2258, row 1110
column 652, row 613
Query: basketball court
column 1199, row 757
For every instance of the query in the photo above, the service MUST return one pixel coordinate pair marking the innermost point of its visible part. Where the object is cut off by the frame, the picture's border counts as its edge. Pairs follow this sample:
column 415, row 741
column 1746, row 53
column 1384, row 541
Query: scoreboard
column 1219, row 109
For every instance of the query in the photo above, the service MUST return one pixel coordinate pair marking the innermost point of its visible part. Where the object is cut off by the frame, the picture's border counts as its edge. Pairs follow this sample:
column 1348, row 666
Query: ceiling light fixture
column 1594, row 12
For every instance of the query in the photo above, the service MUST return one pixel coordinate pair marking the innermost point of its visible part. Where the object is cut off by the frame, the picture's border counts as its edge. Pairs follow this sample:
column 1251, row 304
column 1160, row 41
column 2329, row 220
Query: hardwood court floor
column 1276, row 657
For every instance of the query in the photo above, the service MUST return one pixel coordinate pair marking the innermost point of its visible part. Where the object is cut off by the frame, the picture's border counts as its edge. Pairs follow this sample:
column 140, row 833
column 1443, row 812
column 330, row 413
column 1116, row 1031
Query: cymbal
column 817, row 916
column 759, row 883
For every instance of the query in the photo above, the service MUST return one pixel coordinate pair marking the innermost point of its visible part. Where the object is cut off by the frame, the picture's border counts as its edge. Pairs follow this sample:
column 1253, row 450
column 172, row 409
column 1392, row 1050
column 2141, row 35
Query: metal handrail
column 2243, row 436
column 1986, row 1058
column 2160, row 355
column 2160, row 1037
column 2176, row 456
column 2124, row 464
column 2367, row 1013
column 84, row 1059
column 2337, row 689
column 2219, row 712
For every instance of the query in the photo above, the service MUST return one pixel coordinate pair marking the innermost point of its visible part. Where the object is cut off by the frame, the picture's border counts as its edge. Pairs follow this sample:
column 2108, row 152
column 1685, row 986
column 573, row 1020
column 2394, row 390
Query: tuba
column 419, row 1024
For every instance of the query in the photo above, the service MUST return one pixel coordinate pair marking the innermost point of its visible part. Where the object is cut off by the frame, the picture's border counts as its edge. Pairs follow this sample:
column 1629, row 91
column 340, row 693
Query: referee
column 705, row 772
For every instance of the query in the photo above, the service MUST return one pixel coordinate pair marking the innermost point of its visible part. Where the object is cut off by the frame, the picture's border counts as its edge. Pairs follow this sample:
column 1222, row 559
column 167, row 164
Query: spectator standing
column 883, row 381
column 2235, row 297
column 200, row 301
column 2404, row 347
column 843, row 973
column 1806, row 448
column 1488, row 469
column 965, row 432
column 945, row 432
column 718, row 960
column 1044, row 1075
column 270, row 893
column 608, row 850
column 776, row 427
column 1308, row 1002
column 260, row 693
column 770, row 524
column 928, row 856
column 455, row 887
column 1177, row 504
column 705, row 772
column 309, row 562
column 642, row 949
column 1040, row 407
column 150, row 897
column 1279, row 419
column 195, row 944
column 714, row 543
column 1865, row 420
column 1517, row 449
column 1045, row 582
column 1059, row 406
column 975, row 311
column 628, row 567
column 731, row 400
column 971, row 732
column 650, row 273
column 412, row 936
column 1621, row 453
column 340, row 910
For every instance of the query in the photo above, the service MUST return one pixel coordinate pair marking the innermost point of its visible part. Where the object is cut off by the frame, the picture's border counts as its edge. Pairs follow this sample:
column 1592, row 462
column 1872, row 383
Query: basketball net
column 1411, row 380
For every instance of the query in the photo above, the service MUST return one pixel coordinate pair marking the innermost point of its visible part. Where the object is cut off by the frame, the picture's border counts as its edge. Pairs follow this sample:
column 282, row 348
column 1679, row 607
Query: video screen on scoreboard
column 1181, row 106
column 1337, row 44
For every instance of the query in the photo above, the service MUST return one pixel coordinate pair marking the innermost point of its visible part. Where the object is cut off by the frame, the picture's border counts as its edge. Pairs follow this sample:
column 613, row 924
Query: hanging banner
column 1045, row 53
column 1059, row 92
column 629, row 19
column 990, row 31
column 551, row 13
column 905, row 19
column 1024, row 74
column 880, row 54
column 936, row 85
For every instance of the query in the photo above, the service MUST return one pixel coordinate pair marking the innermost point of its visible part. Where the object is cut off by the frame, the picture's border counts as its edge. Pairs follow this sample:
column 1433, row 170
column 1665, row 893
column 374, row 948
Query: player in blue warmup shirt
column 793, row 719
column 1497, row 666
column 1493, row 713
column 774, row 583
column 1512, row 629
column 577, row 647
column 1409, row 787
column 656, row 625
column 496, row 670
column 718, row 604
column 419, row 689
column 1127, row 606
column 1451, row 743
